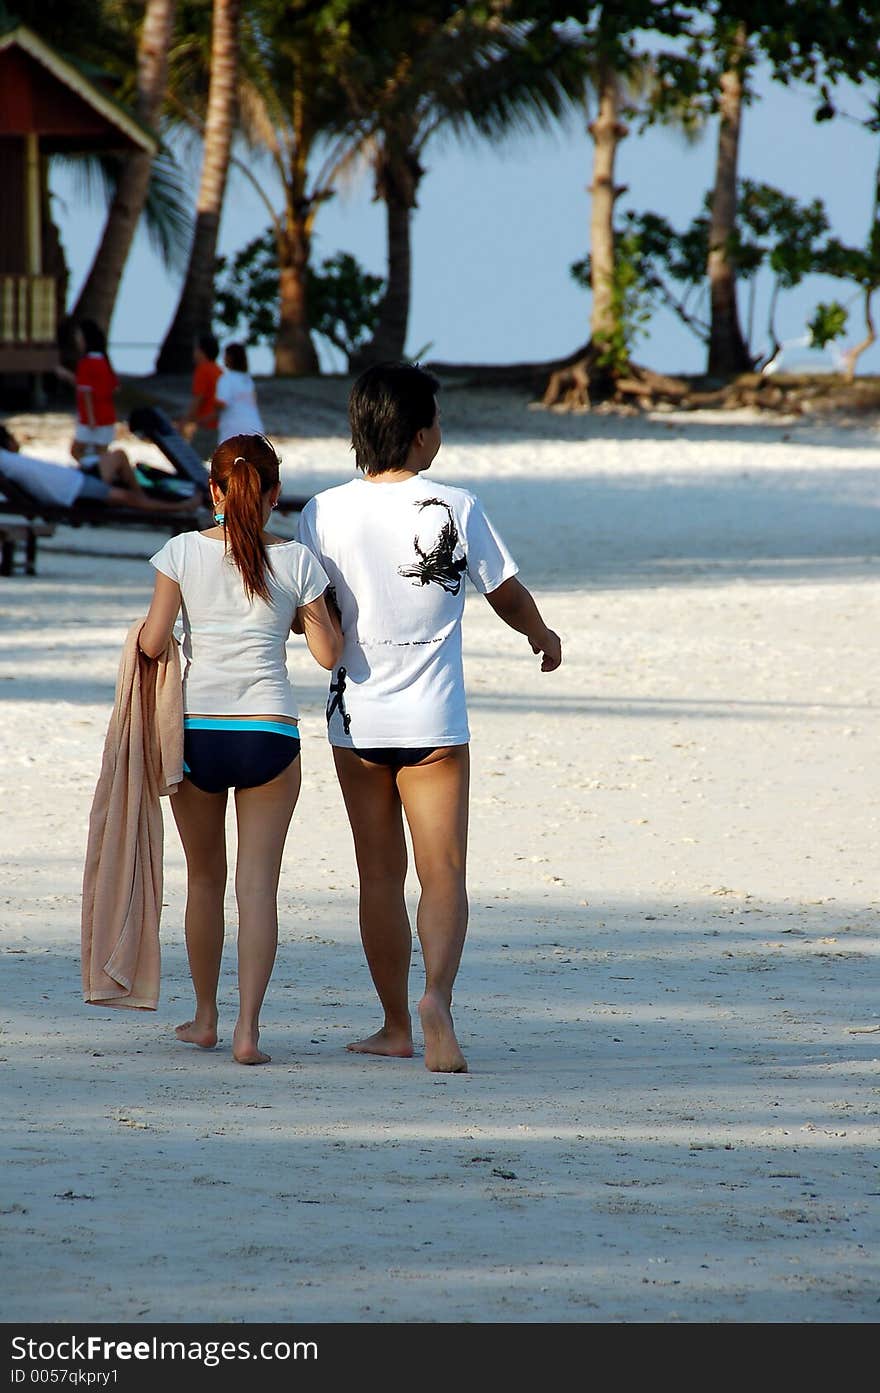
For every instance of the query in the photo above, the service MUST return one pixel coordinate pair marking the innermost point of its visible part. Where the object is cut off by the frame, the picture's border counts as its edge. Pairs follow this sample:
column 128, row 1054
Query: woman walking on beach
column 236, row 396
column 397, row 549
column 241, row 590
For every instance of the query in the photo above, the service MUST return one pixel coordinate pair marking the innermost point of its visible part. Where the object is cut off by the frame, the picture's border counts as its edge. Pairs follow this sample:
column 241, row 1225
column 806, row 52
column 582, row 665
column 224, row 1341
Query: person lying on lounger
column 114, row 483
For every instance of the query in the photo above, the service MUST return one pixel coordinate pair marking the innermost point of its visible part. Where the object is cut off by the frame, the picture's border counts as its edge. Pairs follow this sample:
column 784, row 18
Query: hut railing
column 27, row 310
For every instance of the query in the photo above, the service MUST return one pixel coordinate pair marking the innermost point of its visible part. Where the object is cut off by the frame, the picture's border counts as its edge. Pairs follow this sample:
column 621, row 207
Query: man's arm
column 513, row 603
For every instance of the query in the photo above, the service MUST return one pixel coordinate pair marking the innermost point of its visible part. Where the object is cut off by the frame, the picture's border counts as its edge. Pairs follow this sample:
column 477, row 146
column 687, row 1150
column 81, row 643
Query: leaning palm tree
column 195, row 305
column 98, row 295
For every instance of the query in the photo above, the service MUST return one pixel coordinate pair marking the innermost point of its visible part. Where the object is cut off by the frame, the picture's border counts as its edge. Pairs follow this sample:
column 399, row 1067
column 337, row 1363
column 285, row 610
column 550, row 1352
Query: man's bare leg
column 373, row 806
column 435, row 800
column 201, row 822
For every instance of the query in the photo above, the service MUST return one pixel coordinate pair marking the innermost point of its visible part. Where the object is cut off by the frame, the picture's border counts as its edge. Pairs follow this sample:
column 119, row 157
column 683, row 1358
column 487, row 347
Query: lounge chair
column 151, row 423
column 37, row 517
column 23, row 534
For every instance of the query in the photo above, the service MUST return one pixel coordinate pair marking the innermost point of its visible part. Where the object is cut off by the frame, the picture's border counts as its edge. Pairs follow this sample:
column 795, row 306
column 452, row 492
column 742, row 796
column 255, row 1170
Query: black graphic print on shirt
column 439, row 565
column 336, row 700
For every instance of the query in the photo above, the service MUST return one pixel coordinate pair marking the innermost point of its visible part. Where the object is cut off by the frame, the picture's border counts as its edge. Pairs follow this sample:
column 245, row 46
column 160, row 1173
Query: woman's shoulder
column 284, row 550
column 184, row 544
column 278, row 544
column 175, row 551
column 289, row 552
column 296, row 569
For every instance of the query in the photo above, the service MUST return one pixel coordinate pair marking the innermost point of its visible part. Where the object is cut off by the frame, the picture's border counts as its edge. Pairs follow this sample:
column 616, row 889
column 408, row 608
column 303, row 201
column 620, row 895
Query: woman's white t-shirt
column 234, row 649
column 397, row 555
column 237, row 400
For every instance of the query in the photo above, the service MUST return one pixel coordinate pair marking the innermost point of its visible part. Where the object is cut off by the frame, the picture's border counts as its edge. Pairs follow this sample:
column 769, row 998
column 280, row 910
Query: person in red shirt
column 202, row 414
column 96, row 384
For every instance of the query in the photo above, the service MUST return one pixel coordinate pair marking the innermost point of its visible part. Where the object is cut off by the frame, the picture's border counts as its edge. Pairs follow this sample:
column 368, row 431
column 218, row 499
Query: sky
column 499, row 225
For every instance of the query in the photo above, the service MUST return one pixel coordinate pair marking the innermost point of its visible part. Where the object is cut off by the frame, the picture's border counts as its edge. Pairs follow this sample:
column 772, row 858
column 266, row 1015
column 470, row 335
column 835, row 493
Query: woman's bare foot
column 442, row 1051
column 192, row 1033
column 245, row 1048
column 396, row 1043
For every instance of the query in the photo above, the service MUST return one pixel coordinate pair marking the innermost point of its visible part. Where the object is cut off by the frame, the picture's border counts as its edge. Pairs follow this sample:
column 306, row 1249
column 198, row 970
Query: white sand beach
column 669, row 994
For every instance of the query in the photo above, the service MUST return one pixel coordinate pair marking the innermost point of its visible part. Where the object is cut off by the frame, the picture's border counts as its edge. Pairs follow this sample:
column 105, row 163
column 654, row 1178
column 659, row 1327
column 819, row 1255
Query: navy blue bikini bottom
column 220, row 754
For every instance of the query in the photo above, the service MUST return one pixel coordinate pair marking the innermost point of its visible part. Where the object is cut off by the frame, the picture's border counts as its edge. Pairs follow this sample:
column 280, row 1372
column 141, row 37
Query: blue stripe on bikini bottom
column 217, row 723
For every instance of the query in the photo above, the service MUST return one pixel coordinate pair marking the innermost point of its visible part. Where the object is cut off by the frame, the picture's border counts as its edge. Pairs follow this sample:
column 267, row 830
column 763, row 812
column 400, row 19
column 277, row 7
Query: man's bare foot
column 394, row 1043
column 245, row 1048
column 191, row 1033
column 442, row 1051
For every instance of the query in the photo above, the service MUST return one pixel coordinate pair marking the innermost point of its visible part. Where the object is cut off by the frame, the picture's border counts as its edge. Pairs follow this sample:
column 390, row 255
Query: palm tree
column 607, row 130
column 98, row 295
column 465, row 68
column 195, row 306
column 292, row 109
column 728, row 352
column 808, row 39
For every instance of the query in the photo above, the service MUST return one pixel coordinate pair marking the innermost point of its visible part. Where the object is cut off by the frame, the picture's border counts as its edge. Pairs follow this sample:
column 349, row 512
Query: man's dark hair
column 93, row 336
column 208, row 344
column 389, row 404
column 236, row 357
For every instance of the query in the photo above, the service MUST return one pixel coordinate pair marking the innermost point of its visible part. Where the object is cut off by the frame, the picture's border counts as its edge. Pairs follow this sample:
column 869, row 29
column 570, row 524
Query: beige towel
column 122, row 878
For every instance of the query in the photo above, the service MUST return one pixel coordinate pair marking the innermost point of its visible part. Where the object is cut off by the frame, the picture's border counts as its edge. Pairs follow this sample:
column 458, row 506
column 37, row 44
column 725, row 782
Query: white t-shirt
column 237, row 399
column 50, row 483
column 234, row 649
column 397, row 555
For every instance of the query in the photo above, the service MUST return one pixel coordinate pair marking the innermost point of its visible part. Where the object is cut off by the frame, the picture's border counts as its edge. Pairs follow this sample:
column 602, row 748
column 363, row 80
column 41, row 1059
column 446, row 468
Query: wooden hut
column 48, row 106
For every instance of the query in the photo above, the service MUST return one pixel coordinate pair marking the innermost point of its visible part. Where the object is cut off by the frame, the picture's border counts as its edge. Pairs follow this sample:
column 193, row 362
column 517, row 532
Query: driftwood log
column 577, row 383
column 574, row 382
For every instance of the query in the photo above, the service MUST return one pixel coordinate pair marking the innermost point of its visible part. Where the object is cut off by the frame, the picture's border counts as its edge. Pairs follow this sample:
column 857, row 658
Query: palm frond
column 168, row 218
column 168, row 208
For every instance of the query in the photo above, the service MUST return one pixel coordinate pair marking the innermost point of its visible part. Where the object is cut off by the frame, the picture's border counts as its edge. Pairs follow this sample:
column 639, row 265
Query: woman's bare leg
column 201, row 822
column 263, row 816
column 373, row 806
column 435, row 800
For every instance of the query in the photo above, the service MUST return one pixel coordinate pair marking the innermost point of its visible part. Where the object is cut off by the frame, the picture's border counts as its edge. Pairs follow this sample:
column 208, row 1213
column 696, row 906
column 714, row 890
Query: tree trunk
column 398, row 173
column 728, row 353
column 607, row 132
column 852, row 355
column 195, row 308
column 97, row 298
column 295, row 354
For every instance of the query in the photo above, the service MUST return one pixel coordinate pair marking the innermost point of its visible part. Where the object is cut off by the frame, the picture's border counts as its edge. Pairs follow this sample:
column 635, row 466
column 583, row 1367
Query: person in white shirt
column 237, row 396
column 398, row 548
column 241, row 591
column 61, row 486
